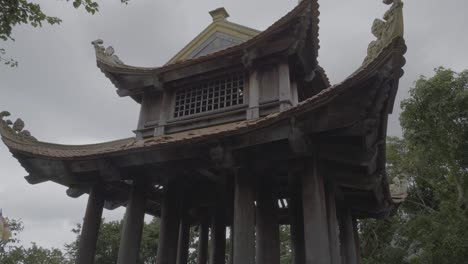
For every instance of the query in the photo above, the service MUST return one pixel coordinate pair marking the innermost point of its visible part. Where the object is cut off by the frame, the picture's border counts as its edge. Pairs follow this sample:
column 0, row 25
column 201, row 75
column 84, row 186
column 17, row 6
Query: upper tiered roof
column 296, row 33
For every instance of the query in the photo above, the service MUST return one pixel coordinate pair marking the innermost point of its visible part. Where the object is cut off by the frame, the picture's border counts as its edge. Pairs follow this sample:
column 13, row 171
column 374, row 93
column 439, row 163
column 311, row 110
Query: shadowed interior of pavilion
column 240, row 129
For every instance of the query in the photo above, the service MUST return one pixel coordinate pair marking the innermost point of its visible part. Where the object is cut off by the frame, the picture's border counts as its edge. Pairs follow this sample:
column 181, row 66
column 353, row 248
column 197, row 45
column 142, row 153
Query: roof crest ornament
column 386, row 30
column 219, row 14
column 14, row 130
column 105, row 54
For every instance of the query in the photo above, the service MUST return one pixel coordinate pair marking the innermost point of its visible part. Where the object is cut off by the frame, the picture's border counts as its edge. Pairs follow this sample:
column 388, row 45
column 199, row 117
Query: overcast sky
column 64, row 98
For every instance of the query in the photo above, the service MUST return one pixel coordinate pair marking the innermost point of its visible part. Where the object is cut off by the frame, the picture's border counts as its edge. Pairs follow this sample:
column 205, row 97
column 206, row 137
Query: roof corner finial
column 105, row 54
column 219, row 14
column 16, row 129
column 386, row 29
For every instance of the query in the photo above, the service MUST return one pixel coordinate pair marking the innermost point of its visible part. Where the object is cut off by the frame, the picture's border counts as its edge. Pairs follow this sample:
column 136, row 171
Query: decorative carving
column 18, row 126
column 16, row 129
column 106, row 54
column 399, row 189
column 304, row 39
column 248, row 58
column 386, row 30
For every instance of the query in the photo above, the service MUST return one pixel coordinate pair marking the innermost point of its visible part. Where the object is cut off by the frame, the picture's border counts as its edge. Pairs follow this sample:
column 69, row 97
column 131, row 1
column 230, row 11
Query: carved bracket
column 298, row 141
column 222, row 157
column 248, row 58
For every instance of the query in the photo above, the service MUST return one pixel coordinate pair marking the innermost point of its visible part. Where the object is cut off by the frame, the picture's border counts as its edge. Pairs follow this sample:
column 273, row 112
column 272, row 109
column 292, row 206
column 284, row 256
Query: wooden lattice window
column 223, row 92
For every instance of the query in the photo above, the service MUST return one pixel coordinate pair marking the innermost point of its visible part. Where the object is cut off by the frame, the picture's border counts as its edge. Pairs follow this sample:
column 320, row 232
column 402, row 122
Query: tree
column 430, row 226
column 11, row 252
column 17, row 12
column 107, row 248
column 435, row 123
column 285, row 244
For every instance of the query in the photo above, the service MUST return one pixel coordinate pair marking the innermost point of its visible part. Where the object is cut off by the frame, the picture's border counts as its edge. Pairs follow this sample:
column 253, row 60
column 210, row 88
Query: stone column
column 357, row 241
column 231, row 250
column 333, row 225
column 316, row 238
column 297, row 222
column 285, row 95
column 244, row 220
column 133, row 226
column 203, row 243
column 347, row 240
column 253, row 96
column 169, row 231
column 218, row 236
column 91, row 224
column 267, row 226
column 184, row 240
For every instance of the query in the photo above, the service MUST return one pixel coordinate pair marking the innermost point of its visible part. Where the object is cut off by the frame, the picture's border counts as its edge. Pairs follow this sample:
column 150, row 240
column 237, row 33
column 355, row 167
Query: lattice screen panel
column 209, row 96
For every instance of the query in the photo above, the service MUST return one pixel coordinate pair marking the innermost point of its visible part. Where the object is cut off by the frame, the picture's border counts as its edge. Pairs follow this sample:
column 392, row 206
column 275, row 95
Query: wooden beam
column 203, row 243
column 315, row 216
column 267, row 226
column 108, row 171
column 133, row 226
column 75, row 192
column 34, row 179
column 167, row 250
column 244, row 220
column 91, row 224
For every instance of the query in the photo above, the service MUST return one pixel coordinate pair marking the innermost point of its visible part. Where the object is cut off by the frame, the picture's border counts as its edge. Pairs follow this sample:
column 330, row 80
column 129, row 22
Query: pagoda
column 239, row 133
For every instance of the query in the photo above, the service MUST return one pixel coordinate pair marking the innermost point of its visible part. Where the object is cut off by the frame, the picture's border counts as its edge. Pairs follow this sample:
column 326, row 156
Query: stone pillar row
column 321, row 233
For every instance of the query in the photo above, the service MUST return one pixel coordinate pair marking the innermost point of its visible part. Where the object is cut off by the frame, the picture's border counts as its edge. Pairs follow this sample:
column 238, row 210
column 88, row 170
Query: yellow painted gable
column 218, row 35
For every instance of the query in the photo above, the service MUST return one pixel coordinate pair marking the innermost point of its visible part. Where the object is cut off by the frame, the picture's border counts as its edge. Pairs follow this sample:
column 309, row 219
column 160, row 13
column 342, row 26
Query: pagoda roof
column 19, row 143
column 301, row 23
column 346, row 123
column 367, row 111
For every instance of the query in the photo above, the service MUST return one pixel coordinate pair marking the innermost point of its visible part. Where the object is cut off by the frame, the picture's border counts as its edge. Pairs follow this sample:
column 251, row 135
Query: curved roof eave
column 21, row 141
column 107, row 64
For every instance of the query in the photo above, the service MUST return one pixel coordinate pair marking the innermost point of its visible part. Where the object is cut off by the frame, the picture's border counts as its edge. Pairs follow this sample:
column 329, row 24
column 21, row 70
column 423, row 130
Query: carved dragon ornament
column 106, row 54
column 14, row 130
column 386, row 30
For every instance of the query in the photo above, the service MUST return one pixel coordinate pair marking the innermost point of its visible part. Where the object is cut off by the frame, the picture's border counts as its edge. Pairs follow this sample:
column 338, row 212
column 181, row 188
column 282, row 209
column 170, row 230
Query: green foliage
column 18, row 12
column 11, row 252
column 435, row 124
column 285, row 244
column 430, row 226
column 107, row 248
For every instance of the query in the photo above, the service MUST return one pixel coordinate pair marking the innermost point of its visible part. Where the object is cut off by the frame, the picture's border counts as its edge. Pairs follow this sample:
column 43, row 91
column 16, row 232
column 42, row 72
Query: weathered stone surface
column 14, row 130
column 386, row 30
column 106, row 54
